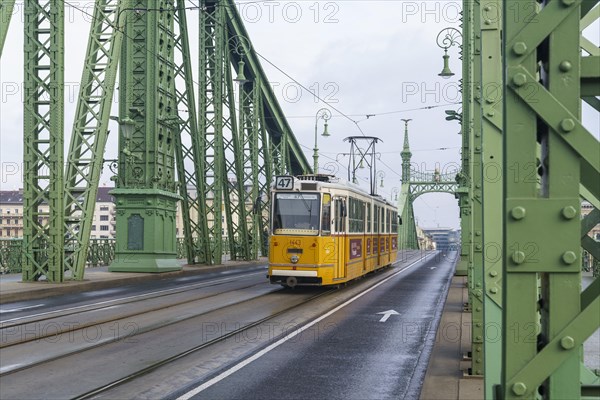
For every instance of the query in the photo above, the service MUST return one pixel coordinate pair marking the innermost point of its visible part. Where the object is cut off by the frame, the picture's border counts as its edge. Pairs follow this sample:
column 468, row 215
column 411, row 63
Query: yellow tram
column 326, row 233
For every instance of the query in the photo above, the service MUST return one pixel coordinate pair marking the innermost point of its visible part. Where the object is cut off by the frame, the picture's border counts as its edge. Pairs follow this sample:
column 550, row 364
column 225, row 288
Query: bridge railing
column 101, row 252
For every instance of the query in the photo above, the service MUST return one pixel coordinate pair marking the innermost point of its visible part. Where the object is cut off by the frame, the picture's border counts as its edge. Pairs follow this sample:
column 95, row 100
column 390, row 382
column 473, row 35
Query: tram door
column 340, row 236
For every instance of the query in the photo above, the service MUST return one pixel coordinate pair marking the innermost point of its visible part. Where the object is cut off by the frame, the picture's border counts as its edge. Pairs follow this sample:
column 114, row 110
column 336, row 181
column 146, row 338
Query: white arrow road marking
column 386, row 315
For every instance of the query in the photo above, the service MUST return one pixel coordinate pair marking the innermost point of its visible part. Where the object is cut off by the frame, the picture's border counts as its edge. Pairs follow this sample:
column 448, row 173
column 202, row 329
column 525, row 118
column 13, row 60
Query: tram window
column 356, row 215
column 368, row 218
column 394, row 222
column 326, row 215
column 340, row 214
column 296, row 211
column 376, row 220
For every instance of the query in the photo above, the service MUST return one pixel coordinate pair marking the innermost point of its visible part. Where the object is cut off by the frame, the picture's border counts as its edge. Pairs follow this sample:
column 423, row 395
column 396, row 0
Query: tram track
column 29, row 328
column 123, row 327
column 195, row 349
column 169, row 337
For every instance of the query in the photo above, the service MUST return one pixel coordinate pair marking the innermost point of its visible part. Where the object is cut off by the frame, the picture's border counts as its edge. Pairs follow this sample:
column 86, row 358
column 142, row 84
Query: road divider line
column 289, row 336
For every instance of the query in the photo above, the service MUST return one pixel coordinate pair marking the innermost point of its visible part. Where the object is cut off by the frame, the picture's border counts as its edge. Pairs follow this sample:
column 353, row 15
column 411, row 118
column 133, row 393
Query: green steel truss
column 90, row 132
column 43, row 231
column 256, row 166
column 549, row 160
column 214, row 95
column 224, row 158
column 146, row 189
column 188, row 149
column 489, row 253
column 6, row 11
column 287, row 153
column 414, row 184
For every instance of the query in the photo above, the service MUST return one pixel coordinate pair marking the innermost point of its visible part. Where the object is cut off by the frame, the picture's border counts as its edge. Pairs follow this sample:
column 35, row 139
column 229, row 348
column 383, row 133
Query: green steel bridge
column 527, row 67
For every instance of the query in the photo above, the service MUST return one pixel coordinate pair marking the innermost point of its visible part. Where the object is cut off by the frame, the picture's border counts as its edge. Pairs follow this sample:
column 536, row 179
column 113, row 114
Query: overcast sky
column 363, row 57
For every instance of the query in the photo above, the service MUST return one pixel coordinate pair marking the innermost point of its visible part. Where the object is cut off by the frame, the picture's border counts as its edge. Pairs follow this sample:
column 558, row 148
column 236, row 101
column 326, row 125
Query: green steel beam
column 476, row 283
column 281, row 134
column 188, row 150
column 43, row 137
column 213, row 98
column 146, row 192
column 550, row 158
column 90, row 132
column 464, row 192
column 490, row 104
column 6, row 12
column 407, row 232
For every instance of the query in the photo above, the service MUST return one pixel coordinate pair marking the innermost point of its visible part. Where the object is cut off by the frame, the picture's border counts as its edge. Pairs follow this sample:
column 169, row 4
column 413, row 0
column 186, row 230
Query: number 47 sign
column 284, row 183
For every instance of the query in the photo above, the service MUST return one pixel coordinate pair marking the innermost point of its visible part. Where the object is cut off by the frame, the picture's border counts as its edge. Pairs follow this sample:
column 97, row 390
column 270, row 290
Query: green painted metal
column 464, row 178
column 188, row 150
column 211, row 118
column 6, row 12
column 407, row 232
column 146, row 190
column 490, row 105
column 289, row 155
column 476, row 289
column 43, row 140
column 548, row 159
column 90, row 132
column 256, row 166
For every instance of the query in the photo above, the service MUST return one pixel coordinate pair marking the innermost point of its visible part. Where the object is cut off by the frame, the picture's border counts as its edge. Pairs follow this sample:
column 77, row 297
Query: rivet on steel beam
column 493, row 273
column 487, row 8
column 569, row 257
column 518, row 257
column 567, row 125
column 518, row 213
column 478, row 247
column 493, row 290
column 477, row 233
column 491, row 113
column 567, row 342
column 565, row 66
column 568, row 3
column 488, row 21
column 478, row 309
column 569, row 212
column 519, row 79
column 519, row 388
column 520, row 48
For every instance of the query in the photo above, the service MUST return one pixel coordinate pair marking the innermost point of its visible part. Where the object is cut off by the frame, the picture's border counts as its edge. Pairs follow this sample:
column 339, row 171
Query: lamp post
column 394, row 194
column 325, row 115
column 381, row 175
column 447, row 38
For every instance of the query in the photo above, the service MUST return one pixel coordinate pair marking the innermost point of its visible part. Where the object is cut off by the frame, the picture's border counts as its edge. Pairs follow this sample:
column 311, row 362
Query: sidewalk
column 12, row 289
column 445, row 379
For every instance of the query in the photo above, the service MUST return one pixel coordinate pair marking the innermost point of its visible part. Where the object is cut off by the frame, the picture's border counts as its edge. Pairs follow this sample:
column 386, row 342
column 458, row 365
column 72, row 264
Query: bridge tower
column 414, row 184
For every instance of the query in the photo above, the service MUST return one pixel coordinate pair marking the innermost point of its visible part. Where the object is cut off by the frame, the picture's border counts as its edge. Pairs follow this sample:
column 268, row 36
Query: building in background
column 11, row 214
column 446, row 239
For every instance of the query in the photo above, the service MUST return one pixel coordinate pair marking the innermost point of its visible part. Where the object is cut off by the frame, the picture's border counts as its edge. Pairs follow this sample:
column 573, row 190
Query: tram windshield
column 295, row 212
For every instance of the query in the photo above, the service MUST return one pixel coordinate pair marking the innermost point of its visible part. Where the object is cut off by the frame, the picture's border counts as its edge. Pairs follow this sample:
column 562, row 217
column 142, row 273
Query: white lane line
column 20, row 308
column 123, row 298
column 267, row 349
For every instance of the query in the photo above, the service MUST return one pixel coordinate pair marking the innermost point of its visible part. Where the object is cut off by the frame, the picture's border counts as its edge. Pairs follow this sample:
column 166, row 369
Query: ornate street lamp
column 325, row 115
column 447, row 38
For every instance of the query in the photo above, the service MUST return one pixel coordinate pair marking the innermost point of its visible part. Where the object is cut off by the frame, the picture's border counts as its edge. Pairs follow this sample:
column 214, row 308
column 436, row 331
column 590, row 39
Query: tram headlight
column 294, row 259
